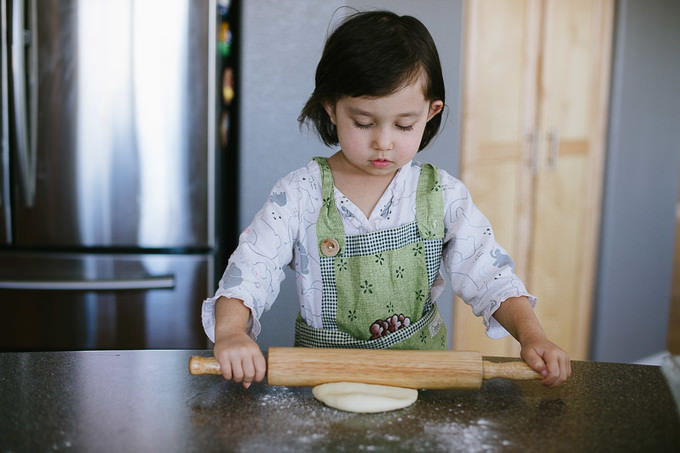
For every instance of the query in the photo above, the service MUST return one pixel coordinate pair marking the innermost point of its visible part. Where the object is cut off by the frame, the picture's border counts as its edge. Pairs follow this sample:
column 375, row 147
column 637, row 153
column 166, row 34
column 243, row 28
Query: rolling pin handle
column 204, row 365
column 509, row 370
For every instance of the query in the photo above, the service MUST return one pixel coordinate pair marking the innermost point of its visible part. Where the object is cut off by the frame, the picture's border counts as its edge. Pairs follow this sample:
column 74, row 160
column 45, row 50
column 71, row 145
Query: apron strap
column 430, row 203
column 329, row 225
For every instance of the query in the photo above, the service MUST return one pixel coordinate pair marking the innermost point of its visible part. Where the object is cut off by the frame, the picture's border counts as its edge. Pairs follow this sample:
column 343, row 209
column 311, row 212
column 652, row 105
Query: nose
column 382, row 140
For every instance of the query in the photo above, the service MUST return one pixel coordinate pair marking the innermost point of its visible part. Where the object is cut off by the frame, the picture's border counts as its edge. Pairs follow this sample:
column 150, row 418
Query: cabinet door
column 572, row 116
column 499, row 98
column 544, row 202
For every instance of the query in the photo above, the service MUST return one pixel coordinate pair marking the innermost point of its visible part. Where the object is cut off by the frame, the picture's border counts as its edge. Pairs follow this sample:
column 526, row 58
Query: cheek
column 352, row 141
column 412, row 147
column 415, row 138
column 349, row 135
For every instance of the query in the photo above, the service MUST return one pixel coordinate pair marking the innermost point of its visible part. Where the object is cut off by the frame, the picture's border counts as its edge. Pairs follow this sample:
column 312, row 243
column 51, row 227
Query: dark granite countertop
column 140, row 401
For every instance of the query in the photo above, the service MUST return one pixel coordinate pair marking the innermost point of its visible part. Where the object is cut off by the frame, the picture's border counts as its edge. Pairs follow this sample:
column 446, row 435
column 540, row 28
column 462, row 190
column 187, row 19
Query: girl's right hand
column 240, row 358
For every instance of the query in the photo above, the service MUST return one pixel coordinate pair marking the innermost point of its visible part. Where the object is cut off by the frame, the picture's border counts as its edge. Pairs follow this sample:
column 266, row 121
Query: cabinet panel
column 499, row 108
column 572, row 112
column 540, row 186
column 497, row 82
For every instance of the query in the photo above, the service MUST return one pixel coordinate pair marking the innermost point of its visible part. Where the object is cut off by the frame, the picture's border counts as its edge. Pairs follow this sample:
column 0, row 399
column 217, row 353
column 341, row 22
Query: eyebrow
column 357, row 111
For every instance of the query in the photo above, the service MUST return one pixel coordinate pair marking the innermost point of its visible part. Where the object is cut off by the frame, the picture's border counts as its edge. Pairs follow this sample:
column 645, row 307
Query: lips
column 380, row 163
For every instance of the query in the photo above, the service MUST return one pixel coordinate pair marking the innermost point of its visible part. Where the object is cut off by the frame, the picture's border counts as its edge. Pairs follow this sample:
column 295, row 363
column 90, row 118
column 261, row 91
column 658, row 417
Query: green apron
column 376, row 286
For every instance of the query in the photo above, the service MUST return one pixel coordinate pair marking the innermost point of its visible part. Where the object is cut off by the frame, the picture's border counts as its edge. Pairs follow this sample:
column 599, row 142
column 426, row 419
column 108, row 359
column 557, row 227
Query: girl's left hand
column 547, row 359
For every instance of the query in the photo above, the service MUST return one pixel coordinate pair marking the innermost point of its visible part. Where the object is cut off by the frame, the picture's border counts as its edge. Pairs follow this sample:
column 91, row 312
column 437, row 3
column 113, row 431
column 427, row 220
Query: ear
column 330, row 109
column 435, row 108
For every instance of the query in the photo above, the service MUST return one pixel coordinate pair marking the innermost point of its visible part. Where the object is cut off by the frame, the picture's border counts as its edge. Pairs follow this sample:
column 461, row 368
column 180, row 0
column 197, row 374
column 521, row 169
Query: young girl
column 367, row 229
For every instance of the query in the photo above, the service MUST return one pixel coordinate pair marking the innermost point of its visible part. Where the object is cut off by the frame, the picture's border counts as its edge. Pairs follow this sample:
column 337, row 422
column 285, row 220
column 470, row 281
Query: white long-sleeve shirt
column 283, row 233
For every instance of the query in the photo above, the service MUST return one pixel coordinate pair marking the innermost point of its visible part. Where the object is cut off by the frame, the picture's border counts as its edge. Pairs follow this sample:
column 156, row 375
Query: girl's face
column 378, row 135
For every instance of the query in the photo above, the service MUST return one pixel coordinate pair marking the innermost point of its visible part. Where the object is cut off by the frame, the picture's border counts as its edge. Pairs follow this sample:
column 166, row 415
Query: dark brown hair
column 374, row 53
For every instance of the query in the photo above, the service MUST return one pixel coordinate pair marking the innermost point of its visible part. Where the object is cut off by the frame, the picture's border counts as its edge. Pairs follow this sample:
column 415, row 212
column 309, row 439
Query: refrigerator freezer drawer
column 102, row 301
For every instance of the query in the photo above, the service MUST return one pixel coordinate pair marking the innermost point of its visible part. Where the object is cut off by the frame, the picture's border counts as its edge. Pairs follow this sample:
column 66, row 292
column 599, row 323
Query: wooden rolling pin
column 400, row 368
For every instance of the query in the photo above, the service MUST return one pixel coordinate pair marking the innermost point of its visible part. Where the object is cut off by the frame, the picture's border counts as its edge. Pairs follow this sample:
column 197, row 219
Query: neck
column 361, row 189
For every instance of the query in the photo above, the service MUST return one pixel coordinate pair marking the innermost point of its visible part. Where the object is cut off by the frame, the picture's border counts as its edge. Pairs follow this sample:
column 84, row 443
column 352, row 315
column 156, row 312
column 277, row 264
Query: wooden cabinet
column 535, row 98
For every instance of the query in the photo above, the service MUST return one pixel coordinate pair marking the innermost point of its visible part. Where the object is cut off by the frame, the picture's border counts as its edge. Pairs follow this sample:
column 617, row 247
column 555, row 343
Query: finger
column 566, row 366
column 260, row 367
column 564, row 363
column 552, row 377
column 254, row 368
column 536, row 362
column 564, row 369
column 225, row 366
column 248, row 370
column 236, row 370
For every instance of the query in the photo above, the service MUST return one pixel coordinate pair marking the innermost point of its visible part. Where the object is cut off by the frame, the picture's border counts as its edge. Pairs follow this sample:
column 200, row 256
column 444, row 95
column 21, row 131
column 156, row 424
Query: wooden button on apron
column 330, row 247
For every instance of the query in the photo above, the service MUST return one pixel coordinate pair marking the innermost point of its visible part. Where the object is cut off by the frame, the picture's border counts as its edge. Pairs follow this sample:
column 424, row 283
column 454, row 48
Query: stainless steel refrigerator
column 108, row 176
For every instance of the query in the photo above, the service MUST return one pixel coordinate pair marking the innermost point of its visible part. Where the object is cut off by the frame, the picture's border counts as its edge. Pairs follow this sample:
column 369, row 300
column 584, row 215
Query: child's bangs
column 386, row 83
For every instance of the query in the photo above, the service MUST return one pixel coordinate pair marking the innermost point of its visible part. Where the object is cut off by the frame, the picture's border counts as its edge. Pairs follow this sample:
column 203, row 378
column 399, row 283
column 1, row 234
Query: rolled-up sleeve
column 256, row 268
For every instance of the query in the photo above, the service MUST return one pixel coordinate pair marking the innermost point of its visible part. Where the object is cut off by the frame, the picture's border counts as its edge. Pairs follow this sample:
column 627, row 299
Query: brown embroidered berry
column 381, row 328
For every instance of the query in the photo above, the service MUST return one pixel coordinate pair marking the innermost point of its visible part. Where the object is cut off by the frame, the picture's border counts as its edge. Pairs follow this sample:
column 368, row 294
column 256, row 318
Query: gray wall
column 641, row 186
column 282, row 44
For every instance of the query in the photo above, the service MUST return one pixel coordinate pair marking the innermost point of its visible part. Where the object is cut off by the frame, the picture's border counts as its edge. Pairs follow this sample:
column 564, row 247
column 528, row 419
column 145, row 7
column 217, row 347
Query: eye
column 361, row 125
column 405, row 128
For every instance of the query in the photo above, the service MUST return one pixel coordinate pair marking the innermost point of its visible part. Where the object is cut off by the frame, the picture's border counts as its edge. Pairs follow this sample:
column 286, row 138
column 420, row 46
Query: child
column 367, row 228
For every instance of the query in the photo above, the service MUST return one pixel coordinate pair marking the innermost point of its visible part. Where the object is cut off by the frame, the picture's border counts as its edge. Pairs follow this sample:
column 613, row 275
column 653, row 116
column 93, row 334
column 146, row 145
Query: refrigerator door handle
column 26, row 144
column 4, row 128
column 149, row 283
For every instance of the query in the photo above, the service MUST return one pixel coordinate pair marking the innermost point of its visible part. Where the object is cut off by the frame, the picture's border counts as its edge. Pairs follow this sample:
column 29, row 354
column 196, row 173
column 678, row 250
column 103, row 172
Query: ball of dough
column 364, row 398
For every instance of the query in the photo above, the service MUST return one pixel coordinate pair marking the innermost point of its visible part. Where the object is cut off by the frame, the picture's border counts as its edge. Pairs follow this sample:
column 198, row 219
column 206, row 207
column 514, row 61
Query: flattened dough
column 364, row 398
